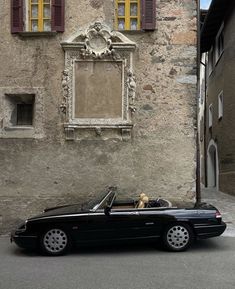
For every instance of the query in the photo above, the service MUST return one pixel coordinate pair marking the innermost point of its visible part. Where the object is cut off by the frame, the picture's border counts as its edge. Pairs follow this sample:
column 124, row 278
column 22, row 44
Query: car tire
column 178, row 237
column 55, row 242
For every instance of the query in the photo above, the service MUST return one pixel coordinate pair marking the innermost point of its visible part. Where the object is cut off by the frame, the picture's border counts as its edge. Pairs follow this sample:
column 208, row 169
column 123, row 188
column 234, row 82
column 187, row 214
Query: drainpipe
column 204, row 125
column 198, row 177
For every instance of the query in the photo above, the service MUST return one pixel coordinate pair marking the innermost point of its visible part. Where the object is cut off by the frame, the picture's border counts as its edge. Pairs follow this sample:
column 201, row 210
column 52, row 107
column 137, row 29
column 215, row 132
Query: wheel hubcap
column 55, row 240
column 178, row 237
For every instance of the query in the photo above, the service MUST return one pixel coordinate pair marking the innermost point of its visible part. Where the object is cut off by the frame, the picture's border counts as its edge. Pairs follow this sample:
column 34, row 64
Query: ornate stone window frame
column 98, row 43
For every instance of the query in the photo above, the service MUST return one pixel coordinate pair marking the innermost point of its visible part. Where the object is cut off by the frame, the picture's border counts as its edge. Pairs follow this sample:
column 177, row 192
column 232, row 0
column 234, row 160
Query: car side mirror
column 107, row 210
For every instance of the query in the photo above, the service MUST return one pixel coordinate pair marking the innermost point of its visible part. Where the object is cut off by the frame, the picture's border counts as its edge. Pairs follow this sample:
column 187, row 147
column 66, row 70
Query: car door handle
column 149, row 224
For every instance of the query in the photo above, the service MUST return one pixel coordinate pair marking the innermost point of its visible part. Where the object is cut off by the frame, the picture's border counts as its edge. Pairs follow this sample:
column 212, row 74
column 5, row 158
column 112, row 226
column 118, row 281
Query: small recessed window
column 20, row 109
column 220, row 105
column 211, row 60
column 210, row 116
column 24, row 114
column 219, row 43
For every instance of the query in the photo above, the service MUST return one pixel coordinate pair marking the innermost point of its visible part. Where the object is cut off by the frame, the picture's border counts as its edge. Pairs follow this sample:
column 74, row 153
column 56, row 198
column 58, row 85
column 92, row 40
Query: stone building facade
column 217, row 99
column 84, row 105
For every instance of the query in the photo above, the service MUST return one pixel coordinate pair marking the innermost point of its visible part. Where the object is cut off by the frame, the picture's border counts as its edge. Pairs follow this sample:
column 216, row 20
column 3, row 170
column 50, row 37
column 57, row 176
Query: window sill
column 20, row 127
column 19, row 132
column 134, row 31
column 38, row 34
column 99, row 129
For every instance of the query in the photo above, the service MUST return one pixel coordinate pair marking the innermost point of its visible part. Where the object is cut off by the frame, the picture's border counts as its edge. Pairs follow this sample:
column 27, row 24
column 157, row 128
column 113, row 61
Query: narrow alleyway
column 226, row 204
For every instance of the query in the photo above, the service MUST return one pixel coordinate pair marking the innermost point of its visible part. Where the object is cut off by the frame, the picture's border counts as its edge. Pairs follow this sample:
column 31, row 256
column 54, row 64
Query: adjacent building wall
column 227, row 157
column 40, row 168
column 222, row 132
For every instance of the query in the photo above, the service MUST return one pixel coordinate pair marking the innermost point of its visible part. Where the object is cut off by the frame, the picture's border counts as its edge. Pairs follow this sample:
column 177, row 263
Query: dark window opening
column 24, row 114
column 20, row 109
column 221, row 43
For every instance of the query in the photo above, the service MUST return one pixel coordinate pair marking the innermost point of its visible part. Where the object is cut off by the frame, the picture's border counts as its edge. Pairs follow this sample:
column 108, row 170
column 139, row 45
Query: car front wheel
column 54, row 242
column 178, row 237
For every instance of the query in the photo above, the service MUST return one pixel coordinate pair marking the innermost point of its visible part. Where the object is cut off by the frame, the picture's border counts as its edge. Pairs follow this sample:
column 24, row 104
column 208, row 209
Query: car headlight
column 22, row 226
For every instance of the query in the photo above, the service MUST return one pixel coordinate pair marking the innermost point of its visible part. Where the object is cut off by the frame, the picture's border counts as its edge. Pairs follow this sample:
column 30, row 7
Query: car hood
column 60, row 211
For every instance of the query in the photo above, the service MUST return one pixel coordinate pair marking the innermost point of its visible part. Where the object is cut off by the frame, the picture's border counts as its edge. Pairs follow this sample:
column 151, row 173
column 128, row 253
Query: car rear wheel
column 55, row 242
column 178, row 237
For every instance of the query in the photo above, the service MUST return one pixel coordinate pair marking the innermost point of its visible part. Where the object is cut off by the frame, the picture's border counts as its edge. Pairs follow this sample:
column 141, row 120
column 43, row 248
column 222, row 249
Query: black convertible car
column 110, row 219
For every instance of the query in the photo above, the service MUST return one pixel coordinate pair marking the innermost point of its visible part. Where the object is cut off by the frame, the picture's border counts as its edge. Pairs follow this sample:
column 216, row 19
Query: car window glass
column 107, row 201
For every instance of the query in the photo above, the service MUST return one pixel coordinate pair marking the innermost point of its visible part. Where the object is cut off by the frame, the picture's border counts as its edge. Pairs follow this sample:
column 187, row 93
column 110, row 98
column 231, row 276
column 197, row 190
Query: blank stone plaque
column 98, row 89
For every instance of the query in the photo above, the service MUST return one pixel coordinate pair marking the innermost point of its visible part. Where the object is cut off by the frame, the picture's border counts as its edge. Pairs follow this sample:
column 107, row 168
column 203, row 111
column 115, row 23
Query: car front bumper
column 24, row 241
column 209, row 231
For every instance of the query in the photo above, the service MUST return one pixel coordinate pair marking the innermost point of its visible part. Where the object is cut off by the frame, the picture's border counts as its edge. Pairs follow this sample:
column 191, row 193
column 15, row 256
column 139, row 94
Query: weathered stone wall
column 160, row 157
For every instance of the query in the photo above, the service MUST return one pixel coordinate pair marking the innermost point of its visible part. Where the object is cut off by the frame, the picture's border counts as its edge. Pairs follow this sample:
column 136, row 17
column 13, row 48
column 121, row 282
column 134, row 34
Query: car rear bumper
column 24, row 241
column 208, row 231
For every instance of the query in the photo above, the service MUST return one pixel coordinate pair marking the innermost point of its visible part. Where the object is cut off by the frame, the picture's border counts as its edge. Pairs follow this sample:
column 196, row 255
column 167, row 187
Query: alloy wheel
column 178, row 237
column 55, row 241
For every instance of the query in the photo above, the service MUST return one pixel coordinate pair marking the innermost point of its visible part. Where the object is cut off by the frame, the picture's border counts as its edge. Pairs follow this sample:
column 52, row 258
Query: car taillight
column 218, row 215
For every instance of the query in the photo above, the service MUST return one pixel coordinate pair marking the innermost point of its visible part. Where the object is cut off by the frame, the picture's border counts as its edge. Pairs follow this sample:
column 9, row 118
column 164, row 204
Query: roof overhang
column 215, row 17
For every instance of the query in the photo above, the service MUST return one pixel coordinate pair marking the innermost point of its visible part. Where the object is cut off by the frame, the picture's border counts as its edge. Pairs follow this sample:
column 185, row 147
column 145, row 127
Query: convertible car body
column 110, row 219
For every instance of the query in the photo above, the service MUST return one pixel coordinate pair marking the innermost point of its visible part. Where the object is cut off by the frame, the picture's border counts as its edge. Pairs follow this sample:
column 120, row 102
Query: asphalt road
column 209, row 264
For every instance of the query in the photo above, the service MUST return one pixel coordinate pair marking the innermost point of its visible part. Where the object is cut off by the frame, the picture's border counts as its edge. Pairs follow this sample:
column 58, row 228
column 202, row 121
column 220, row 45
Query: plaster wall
column 222, row 79
column 41, row 168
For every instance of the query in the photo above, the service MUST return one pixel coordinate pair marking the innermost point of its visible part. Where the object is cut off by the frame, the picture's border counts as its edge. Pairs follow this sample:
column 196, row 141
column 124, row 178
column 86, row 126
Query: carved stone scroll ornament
column 98, row 43
column 65, row 87
column 131, row 84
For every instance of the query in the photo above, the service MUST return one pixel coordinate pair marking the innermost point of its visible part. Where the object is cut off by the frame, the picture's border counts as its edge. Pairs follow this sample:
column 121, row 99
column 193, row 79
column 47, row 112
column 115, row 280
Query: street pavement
column 209, row 264
column 226, row 204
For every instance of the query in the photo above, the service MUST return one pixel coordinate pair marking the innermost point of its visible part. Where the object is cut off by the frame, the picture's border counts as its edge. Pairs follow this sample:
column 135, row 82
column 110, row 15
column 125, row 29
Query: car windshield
column 99, row 201
column 106, row 201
